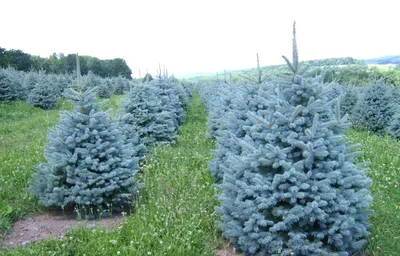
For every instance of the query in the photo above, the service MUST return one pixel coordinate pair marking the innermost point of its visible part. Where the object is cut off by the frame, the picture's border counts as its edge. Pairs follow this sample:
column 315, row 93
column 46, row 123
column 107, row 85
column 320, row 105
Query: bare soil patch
column 51, row 225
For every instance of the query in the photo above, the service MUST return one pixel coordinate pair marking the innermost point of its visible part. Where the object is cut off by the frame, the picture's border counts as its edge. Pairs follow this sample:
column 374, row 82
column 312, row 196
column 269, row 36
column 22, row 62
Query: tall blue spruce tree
column 295, row 189
column 89, row 164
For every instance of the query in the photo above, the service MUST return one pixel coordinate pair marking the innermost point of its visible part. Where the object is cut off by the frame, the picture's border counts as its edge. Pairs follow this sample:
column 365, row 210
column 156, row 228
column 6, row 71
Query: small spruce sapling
column 43, row 94
column 89, row 163
column 8, row 86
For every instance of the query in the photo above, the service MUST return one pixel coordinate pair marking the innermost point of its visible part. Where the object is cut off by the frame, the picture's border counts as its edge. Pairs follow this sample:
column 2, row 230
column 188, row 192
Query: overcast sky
column 201, row 36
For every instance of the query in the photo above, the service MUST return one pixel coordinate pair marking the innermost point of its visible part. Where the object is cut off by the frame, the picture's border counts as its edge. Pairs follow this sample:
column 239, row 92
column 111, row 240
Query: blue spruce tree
column 348, row 100
column 143, row 112
column 89, row 163
column 29, row 82
column 375, row 109
column 394, row 127
column 119, row 85
column 295, row 189
column 103, row 91
column 8, row 86
column 168, row 94
column 232, row 128
column 43, row 94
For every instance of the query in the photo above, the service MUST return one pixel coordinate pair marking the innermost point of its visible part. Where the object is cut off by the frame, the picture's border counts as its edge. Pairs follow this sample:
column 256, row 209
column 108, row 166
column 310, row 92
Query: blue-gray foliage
column 29, row 82
column 348, row 100
column 143, row 110
column 295, row 188
column 8, row 86
column 88, row 161
column 103, row 91
column 168, row 93
column 231, row 128
column 375, row 109
column 43, row 94
column 394, row 126
column 216, row 97
column 119, row 85
column 291, row 187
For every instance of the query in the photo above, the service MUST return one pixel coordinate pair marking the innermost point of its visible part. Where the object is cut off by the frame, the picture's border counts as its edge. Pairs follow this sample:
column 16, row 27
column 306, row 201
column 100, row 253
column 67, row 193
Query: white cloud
column 196, row 36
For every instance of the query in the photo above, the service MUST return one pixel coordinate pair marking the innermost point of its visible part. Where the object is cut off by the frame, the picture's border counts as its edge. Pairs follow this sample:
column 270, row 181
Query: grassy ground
column 23, row 136
column 175, row 214
column 384, row 157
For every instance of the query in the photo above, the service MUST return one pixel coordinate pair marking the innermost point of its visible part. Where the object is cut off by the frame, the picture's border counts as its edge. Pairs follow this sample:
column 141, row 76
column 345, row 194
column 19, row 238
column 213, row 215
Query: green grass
column 383, row 154
column 113, row 103
column 175, row 213
column 23, row 136
column 23, row 132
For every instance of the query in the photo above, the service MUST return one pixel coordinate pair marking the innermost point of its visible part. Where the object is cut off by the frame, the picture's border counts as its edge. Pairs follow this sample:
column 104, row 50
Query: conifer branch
column 259, row 70
column 294, row 65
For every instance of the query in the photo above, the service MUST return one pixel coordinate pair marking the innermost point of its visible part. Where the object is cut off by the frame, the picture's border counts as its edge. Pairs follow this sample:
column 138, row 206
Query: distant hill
column 392, row 59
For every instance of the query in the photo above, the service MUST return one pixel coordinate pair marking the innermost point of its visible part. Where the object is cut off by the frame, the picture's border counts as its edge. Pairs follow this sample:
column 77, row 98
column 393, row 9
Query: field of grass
column 383, row 155
column 23, row 136
column 175, row 214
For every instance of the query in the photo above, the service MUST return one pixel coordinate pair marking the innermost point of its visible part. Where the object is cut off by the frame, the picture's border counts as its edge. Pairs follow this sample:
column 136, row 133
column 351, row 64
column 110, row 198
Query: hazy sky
column 201, row 36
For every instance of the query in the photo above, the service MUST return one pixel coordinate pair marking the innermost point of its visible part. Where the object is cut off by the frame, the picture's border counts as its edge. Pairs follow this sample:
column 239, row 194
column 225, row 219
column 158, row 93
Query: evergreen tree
column 89, row 164
column 295, row 189
column 103, row 91
column 394, row 127
column 29, row 82
column 335, row 90
column 147, row 78
column 183, row 94
column 168, row 94
column 8, row 86
column 348, row 100
column 375, row 109
column 232, row 128
column 43, row 94
column 220, row 106
column 146, row 114
column 119, row 86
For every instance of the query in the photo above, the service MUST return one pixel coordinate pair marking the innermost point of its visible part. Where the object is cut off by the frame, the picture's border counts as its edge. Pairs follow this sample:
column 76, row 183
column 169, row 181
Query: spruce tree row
column 43, row 90
column 92, row 160
column 286, row 176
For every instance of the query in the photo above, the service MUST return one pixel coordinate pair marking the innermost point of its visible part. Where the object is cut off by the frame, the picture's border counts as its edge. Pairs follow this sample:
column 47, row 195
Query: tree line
column 61, row 64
